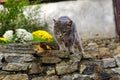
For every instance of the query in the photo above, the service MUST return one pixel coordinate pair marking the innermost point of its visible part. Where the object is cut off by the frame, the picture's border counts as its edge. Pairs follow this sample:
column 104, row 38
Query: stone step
column 18, row 51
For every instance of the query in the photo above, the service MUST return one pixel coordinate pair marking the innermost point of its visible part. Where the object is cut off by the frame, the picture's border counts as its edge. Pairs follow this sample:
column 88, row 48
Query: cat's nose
column 60, row 36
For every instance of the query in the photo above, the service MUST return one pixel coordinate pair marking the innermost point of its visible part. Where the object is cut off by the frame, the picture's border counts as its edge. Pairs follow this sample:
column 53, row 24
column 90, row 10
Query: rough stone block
column 76, row 57
column 16, row 67
column 117, row 50
column 18, row 58
column 50, row 60
column 80, row 77
column 50, row 71
column 102, row 76
column 109, row 62
column 115, row 78
column 35, row 68
column 2, row 76
column 66, row 67
column 104, row 52
column 16, row 77
column 117, row 58
column 66, row 77
column 54, row 53
column 82, row 68
column 116, row 70
column 46, row 78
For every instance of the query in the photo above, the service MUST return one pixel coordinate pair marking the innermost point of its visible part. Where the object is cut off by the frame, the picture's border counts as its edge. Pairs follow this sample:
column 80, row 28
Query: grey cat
column 66, row 35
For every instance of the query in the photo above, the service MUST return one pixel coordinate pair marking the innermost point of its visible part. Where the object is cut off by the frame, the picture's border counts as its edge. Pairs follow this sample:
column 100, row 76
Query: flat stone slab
column 18, row 51
column 46, row 78
column 50, row 60
column 16, row 77
column 109, row 62
column 66, row 77
column 116, row 70
column 18, row 58
column 117, row 58
column 53, row 53
column 16, row 67
column 18, row 48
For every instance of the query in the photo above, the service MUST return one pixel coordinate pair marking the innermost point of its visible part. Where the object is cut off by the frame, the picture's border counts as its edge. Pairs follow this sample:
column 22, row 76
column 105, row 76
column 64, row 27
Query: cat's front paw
column 71, row 52
column 66, row 51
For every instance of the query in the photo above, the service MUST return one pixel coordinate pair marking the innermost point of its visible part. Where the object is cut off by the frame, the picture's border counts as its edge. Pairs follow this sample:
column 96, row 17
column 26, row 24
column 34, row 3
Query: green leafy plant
column 12, row 17
column 12, row 13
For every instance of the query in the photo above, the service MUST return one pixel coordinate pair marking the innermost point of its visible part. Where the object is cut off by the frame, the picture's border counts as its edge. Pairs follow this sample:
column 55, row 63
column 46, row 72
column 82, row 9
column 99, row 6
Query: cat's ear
column 55, row 23
column 69, row 23
column 54, row 20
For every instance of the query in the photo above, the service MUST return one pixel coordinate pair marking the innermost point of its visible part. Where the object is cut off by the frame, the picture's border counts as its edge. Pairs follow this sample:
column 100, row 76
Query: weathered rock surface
column 117, row 50
column 104, row 52
column 117, row 58
column 18, row 58
column 66, row 77
column 69, row 67
column 109, row 62
column 91, row 69
column 76, row 57
column 115, row 78
column 51, row 71
column 18, row 48
column 54, row 53
column 46, row 78
column 80, row 77
column 16, row 67
column 2, row 76
column 102, row 76
column 116, row 70
column 50, row 60
column 35, row 68
column 16, row 77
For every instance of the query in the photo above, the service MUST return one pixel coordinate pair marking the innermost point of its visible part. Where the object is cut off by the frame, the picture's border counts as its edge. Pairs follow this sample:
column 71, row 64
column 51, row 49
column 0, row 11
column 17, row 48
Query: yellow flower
column 38, row 48
column 41, row 34
column 48, row 47
column 3, row 40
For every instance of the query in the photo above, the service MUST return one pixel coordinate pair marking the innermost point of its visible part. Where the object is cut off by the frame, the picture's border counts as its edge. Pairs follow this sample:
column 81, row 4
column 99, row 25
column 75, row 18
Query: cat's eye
column 64, row 31
column 57, row 33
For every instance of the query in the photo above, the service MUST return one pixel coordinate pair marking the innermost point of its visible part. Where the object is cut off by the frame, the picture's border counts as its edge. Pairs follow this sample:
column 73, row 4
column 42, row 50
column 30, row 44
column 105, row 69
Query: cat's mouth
column 61, row 39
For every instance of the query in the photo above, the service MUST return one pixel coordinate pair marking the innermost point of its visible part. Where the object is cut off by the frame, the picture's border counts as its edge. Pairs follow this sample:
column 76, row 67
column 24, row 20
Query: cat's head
column 62, row 28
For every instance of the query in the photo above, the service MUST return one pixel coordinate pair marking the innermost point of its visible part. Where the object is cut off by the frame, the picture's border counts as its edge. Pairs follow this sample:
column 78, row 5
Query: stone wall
column 100, row 61
column 94, row 18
